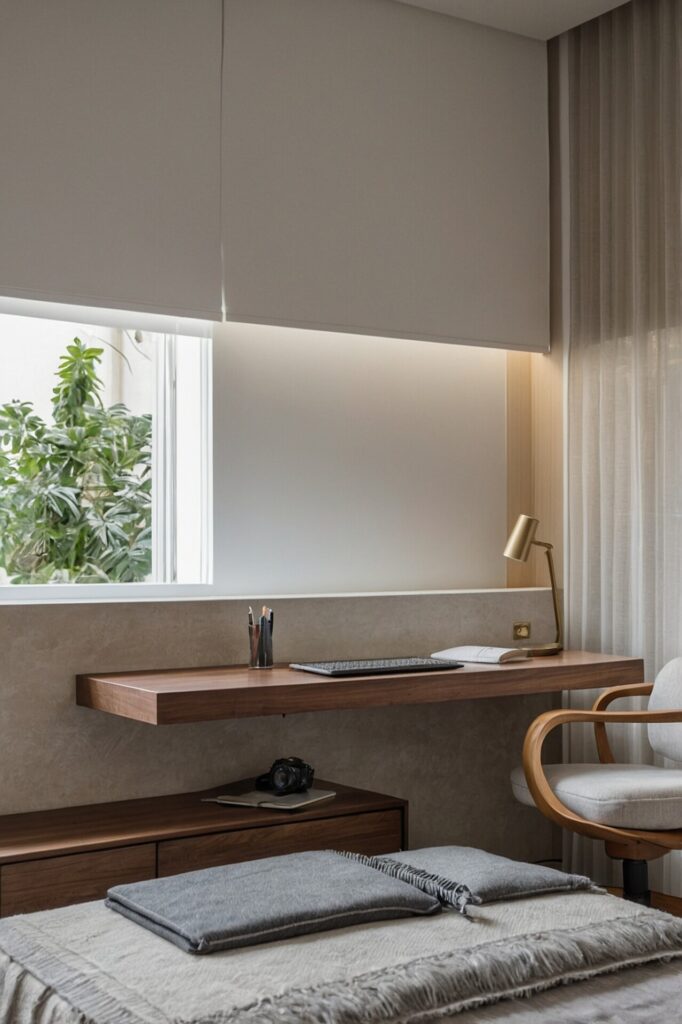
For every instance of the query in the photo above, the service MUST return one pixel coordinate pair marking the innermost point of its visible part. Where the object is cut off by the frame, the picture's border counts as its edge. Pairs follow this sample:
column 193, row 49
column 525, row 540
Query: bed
column 578, row 958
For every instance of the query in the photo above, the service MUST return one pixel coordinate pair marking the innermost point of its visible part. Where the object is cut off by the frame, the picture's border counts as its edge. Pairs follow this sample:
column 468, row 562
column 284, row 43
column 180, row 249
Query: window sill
column 131, row 593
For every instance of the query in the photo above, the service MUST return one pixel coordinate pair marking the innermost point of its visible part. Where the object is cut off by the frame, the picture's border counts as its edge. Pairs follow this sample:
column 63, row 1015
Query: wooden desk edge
column 100, row 695
column 119, row 695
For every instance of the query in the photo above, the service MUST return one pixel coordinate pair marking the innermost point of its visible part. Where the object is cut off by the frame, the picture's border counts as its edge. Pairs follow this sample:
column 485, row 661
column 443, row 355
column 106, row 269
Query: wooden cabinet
column 59, row 881
column 55, row 858
column 376, row 832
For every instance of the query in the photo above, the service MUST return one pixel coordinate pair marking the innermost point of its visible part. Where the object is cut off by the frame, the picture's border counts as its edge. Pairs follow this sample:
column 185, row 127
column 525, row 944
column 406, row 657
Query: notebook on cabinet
column 261, row 798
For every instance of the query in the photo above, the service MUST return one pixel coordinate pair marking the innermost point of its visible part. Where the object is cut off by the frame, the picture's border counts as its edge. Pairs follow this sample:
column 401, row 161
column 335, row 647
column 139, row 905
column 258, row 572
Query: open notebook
column 482, row 655
column 244, row 794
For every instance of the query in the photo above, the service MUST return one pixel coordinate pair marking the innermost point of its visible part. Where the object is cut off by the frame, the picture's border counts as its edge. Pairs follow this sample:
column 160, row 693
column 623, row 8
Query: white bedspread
column 149, row 981
column 642, row 995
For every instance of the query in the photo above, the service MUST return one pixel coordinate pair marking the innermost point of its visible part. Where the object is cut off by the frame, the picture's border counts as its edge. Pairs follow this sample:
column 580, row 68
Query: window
column 342, row 464
column 104, row 449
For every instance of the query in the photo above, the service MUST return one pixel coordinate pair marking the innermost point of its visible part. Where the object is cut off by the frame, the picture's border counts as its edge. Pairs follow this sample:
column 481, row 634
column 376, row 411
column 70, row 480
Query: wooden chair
column 635, row 809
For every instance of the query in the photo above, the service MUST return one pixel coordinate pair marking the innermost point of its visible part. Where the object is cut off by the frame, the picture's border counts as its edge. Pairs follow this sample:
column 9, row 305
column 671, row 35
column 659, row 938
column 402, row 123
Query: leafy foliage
column 75, row 495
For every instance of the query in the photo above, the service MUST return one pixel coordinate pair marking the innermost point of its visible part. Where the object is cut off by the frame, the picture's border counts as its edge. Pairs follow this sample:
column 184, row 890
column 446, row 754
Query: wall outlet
column 521, row 631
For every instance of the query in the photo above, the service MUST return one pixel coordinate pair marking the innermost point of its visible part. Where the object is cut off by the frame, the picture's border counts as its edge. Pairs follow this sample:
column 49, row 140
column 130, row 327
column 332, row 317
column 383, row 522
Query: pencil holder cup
column 260, row 644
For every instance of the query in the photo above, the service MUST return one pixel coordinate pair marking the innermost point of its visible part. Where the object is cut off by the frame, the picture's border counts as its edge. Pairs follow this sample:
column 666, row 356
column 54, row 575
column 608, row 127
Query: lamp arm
column 555, row 595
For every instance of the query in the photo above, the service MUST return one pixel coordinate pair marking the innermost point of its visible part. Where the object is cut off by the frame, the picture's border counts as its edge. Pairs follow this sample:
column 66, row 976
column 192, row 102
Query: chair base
column 636, row 882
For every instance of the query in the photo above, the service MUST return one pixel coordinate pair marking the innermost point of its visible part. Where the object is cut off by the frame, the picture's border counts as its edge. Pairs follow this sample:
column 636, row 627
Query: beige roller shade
column 384, row 172
column 110, row 153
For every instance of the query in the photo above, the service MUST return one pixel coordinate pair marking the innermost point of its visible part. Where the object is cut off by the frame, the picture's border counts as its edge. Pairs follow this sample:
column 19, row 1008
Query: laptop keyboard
column 375, row 666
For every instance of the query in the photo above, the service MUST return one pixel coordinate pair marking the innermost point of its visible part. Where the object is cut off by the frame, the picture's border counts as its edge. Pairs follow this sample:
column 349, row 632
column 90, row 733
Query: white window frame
column 165, row 480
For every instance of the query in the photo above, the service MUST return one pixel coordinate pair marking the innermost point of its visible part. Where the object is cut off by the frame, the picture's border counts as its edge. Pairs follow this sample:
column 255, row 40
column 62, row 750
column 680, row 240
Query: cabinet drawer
column 374, row 832
column 76, row 878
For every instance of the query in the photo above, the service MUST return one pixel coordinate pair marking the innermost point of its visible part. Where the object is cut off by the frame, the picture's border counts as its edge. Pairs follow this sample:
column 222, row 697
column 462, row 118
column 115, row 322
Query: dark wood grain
column 53, row 858
column 372, row 833
column 205, row 694
column 101, row 826
column 59, row 881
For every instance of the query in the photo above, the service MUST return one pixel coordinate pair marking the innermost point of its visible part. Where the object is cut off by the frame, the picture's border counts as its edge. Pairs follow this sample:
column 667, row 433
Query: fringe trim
column 428, row 989
column 73, row 980
column 450, row 893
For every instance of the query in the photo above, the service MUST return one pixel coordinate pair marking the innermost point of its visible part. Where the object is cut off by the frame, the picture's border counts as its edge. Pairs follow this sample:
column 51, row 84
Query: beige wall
column 535, row 382
column 451, row 761
column 535, row 482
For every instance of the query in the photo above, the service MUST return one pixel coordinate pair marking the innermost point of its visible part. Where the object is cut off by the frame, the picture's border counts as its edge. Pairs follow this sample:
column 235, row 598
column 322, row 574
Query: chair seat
column 637, row 796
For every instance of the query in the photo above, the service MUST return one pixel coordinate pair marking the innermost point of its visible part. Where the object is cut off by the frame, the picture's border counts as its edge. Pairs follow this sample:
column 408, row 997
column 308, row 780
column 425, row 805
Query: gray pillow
column 487, row 876
column 266, row 900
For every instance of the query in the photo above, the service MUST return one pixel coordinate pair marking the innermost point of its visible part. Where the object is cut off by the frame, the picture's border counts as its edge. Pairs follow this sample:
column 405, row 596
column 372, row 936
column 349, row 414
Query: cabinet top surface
column 96, row 826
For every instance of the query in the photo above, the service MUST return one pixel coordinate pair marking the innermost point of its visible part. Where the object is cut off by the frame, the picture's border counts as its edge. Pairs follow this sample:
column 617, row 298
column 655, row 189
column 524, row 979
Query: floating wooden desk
column 205, row 694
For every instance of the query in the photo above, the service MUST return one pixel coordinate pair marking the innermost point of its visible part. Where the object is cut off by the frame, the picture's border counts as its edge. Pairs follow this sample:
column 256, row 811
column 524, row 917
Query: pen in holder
column 260, row 639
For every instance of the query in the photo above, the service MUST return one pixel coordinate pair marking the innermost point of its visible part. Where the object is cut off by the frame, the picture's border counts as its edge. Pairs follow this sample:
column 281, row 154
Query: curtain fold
column 624, row 443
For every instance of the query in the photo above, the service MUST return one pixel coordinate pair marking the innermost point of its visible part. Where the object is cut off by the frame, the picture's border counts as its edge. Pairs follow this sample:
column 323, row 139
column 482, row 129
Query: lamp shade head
column 521, row 538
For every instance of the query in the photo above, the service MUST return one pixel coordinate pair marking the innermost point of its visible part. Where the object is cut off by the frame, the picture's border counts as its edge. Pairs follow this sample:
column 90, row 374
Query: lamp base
column 544, row 650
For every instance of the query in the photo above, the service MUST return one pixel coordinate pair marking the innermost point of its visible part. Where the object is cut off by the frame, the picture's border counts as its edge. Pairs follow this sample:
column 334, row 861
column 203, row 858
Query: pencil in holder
column 260, row 639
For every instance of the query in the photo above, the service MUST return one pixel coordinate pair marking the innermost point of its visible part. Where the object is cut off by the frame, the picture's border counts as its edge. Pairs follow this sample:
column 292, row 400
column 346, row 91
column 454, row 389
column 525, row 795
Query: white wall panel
column 110, row 153
column 385, row 172
column 343, row 466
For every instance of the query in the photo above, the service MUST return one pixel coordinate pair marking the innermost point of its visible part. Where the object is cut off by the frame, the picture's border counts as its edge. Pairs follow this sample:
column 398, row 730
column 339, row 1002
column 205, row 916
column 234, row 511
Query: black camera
column 287, row 775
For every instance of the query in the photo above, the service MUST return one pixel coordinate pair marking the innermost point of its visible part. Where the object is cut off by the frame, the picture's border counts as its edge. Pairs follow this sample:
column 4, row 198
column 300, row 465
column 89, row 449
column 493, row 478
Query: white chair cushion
column 625, row 795
column 666, row 695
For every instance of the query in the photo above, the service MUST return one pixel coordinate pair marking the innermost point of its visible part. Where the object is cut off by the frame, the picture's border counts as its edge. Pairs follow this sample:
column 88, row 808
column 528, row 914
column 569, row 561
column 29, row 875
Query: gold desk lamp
column 521, row 539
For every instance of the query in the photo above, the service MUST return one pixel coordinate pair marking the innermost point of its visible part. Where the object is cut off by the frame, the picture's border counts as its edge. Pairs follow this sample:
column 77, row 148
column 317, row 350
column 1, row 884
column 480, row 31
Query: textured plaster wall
column 451, row 761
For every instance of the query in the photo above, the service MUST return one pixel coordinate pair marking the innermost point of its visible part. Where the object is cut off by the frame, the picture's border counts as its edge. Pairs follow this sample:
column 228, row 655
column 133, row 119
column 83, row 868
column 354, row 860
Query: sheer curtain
column 624, row 561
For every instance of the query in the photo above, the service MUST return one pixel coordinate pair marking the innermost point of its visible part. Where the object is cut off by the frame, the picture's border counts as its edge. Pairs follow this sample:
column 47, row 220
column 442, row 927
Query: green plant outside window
column 75, row 494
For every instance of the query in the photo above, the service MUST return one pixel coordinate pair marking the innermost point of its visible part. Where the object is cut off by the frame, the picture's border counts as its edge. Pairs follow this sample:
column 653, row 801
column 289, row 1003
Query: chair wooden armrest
column 603, row 700
column 547, row 801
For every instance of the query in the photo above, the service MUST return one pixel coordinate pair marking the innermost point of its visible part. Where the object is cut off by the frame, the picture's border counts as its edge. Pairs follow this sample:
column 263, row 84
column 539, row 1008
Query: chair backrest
column 667, row 694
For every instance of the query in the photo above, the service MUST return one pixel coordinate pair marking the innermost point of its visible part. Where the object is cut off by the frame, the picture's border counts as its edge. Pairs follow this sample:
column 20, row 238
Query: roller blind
column 110, row 153
column 125, row 319
column 384, row 172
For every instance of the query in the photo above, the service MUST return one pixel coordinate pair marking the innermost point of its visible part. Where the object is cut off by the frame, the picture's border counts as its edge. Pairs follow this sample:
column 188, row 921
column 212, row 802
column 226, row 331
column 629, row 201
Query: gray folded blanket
column 267, row 900
column 461, row 875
